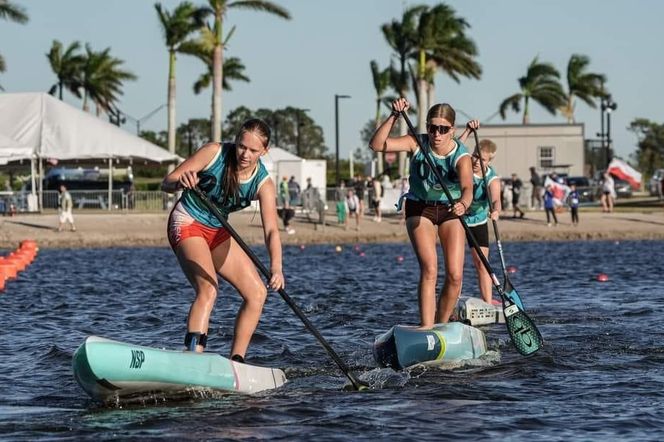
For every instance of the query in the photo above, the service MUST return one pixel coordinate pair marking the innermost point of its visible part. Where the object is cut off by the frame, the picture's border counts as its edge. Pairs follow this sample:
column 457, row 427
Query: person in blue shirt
column 573, row 201
column 232, row 175
column 478, row 215
column 429, row 214
column 550, row 206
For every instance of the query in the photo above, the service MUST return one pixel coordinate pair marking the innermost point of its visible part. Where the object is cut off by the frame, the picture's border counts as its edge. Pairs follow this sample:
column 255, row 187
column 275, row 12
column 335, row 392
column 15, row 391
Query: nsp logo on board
column 137, row 359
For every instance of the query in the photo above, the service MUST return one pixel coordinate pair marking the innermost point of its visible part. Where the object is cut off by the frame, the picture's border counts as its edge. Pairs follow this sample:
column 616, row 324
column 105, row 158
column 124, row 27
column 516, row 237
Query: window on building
column 545, row 156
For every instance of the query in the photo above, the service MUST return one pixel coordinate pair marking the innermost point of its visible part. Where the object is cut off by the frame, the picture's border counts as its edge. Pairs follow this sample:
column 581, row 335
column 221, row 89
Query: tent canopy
column 51, row 128
column 11, row 150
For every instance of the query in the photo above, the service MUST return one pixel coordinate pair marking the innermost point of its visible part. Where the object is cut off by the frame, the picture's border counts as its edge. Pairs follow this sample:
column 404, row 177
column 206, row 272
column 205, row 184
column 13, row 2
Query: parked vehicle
column 85, row 179
column 655, row 183
column 623, row 188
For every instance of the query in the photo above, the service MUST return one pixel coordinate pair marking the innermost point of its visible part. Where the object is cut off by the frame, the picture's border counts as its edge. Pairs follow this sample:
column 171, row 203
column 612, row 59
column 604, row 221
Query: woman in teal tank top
column 231, row 175
column 429, row 214
column 478, row 215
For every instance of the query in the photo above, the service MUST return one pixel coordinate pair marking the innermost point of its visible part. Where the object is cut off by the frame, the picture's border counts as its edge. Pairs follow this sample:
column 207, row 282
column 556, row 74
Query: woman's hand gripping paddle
column 510, row 292
column 522, row 330
column 357, row 384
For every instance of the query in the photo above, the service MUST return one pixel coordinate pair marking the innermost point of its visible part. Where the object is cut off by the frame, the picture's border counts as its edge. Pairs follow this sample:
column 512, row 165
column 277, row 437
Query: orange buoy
column 602, row 277
column 2, row 283
column 8, row 269
column 511, row 269
column 18, row 261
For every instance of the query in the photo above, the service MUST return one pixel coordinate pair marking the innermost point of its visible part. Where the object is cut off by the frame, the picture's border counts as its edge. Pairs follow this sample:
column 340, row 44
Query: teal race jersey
column 424, row 185
column 211, row 179
column 478, row 212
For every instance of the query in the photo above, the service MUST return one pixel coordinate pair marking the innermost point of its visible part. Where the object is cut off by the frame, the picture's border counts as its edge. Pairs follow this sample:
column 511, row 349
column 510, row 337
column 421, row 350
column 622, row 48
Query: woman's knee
column 256, row 297
column 429, row 271
column 454, row 277
column 206, row 294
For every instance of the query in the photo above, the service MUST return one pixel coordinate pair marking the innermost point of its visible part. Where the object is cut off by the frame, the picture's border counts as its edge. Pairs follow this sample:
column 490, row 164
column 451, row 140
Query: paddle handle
column 266, row 273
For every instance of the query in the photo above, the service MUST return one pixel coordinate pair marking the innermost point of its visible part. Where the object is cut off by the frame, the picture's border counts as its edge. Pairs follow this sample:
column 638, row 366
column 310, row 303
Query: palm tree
column 203, row 49
column 400, row 36
column 218, row 8
column 67, row 67
column 441, row 42
column 13, row 13
column 177, row 26
column 381, row 81
column 101, row 79
column 541, row 84
column 585, row 85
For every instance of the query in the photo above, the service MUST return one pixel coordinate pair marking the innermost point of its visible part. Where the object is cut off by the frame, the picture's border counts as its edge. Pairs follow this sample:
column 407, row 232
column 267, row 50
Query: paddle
column 266, row 273
column 509, row 289
column 522, row 330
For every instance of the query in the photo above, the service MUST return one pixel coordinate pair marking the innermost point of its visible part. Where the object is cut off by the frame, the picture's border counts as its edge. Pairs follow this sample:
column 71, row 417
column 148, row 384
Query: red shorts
column 182, row 226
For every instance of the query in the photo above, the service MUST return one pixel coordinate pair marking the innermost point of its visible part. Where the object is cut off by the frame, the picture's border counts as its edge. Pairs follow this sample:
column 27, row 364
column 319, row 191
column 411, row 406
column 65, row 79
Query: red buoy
column 399, row 258
column 511, row 269
column 602, row 277
column 301, row 246
column 361, row 253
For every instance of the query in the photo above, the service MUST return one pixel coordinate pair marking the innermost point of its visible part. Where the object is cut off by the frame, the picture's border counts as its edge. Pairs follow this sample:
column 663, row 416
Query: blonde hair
column 488, row 146
column 442, row 110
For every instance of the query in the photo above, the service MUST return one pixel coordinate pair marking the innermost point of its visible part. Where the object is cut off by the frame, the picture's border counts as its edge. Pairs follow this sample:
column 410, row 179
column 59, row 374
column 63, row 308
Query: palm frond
column 513, row 102
column 263, row 6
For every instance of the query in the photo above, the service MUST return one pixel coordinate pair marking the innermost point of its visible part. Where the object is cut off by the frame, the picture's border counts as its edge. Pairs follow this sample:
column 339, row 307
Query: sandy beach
column 101, row 229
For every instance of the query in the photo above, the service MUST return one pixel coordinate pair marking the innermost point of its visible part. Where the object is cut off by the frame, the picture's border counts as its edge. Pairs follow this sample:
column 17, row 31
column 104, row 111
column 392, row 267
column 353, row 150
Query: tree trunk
column 526, row 118
column 379, row 155
column 86, row 107
column 403, row 156
column 422, row 93
column 171, row 101
column 217, row 73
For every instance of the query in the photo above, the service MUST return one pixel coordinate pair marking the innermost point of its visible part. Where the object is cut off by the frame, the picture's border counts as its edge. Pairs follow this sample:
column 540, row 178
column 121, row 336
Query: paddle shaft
column 447, row 193
column 266, row 273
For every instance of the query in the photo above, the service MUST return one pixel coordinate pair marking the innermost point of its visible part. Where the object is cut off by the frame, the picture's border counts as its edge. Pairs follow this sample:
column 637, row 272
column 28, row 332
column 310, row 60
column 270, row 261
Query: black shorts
column 436, row 212
column 481, row 234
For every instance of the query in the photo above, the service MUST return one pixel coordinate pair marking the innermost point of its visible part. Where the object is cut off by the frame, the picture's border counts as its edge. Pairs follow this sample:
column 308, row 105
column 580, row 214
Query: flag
column 560, row 191
column 623, row 171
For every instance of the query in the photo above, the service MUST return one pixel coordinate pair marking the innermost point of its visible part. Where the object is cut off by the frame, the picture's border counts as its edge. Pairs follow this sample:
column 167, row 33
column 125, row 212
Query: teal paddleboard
column 403, row 346
column 108, row 370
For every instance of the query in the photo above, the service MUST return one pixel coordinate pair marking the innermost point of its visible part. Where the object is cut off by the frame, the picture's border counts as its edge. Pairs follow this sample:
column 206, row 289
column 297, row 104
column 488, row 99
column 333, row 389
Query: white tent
column 52, row 129
column 281, row 163
column 55, row 129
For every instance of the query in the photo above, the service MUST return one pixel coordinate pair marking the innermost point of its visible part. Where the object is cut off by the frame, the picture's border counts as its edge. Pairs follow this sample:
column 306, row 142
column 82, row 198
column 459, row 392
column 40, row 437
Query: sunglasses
column 433, row 128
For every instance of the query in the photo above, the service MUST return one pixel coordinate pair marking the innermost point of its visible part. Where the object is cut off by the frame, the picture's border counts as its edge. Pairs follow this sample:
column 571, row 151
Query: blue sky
column 327, row 47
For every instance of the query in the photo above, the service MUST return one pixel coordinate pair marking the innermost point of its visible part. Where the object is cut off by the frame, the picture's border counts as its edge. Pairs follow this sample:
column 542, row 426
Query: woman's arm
column 267, row 197
column 381, row 140
column 470, row 127
column 465, row 171
column 494, row 191
column 186, row 174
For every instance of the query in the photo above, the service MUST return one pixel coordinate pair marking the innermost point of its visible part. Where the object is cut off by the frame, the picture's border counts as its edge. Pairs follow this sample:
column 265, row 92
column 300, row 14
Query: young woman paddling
column 478, row 215
column 429, row 214
column 231, row 175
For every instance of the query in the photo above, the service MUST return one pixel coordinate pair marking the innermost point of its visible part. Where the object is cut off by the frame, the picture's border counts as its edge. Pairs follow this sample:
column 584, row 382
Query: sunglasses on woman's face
column 433, row 128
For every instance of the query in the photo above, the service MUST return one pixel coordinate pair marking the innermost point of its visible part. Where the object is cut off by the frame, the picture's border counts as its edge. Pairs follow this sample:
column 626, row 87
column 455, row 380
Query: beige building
column 547, row 147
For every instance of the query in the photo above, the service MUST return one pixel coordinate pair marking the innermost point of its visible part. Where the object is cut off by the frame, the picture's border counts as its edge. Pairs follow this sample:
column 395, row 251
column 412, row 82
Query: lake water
column 600, row 375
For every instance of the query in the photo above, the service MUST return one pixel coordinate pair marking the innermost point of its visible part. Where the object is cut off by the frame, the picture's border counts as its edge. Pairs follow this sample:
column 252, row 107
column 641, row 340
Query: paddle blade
column 511, row 293
column 523, row 332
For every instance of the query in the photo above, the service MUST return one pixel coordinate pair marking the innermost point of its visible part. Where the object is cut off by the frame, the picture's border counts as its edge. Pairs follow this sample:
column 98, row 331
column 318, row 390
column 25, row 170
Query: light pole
column 298, row 115
column 336, row 126
column 143, row 118
column 607, row 106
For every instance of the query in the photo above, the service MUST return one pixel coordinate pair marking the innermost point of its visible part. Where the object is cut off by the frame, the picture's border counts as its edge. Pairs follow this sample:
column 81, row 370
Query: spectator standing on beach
column 360, row 187
column 517, row 185
column 550, row 205
column 232, row 175
column 536, row 195
column 340, row 198
column 287, row 214
column 376, row 198
column 352, row 207
column 573, row 199
column 608, row 193
column 405, row 187
column 293, row 191
column 430, row 215
column 284, row 198
column 486, row 184
column 65, row 207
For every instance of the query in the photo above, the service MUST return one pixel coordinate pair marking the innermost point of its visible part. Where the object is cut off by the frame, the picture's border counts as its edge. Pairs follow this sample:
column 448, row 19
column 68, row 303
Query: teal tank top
column 478, row 212
column 424, row 184
column 211, row 179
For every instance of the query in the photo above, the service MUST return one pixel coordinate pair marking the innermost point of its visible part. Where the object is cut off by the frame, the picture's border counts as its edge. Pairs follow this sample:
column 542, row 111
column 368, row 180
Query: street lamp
column 607, row 106
column 143, row 118
column 336, row 126
column 298, row 115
